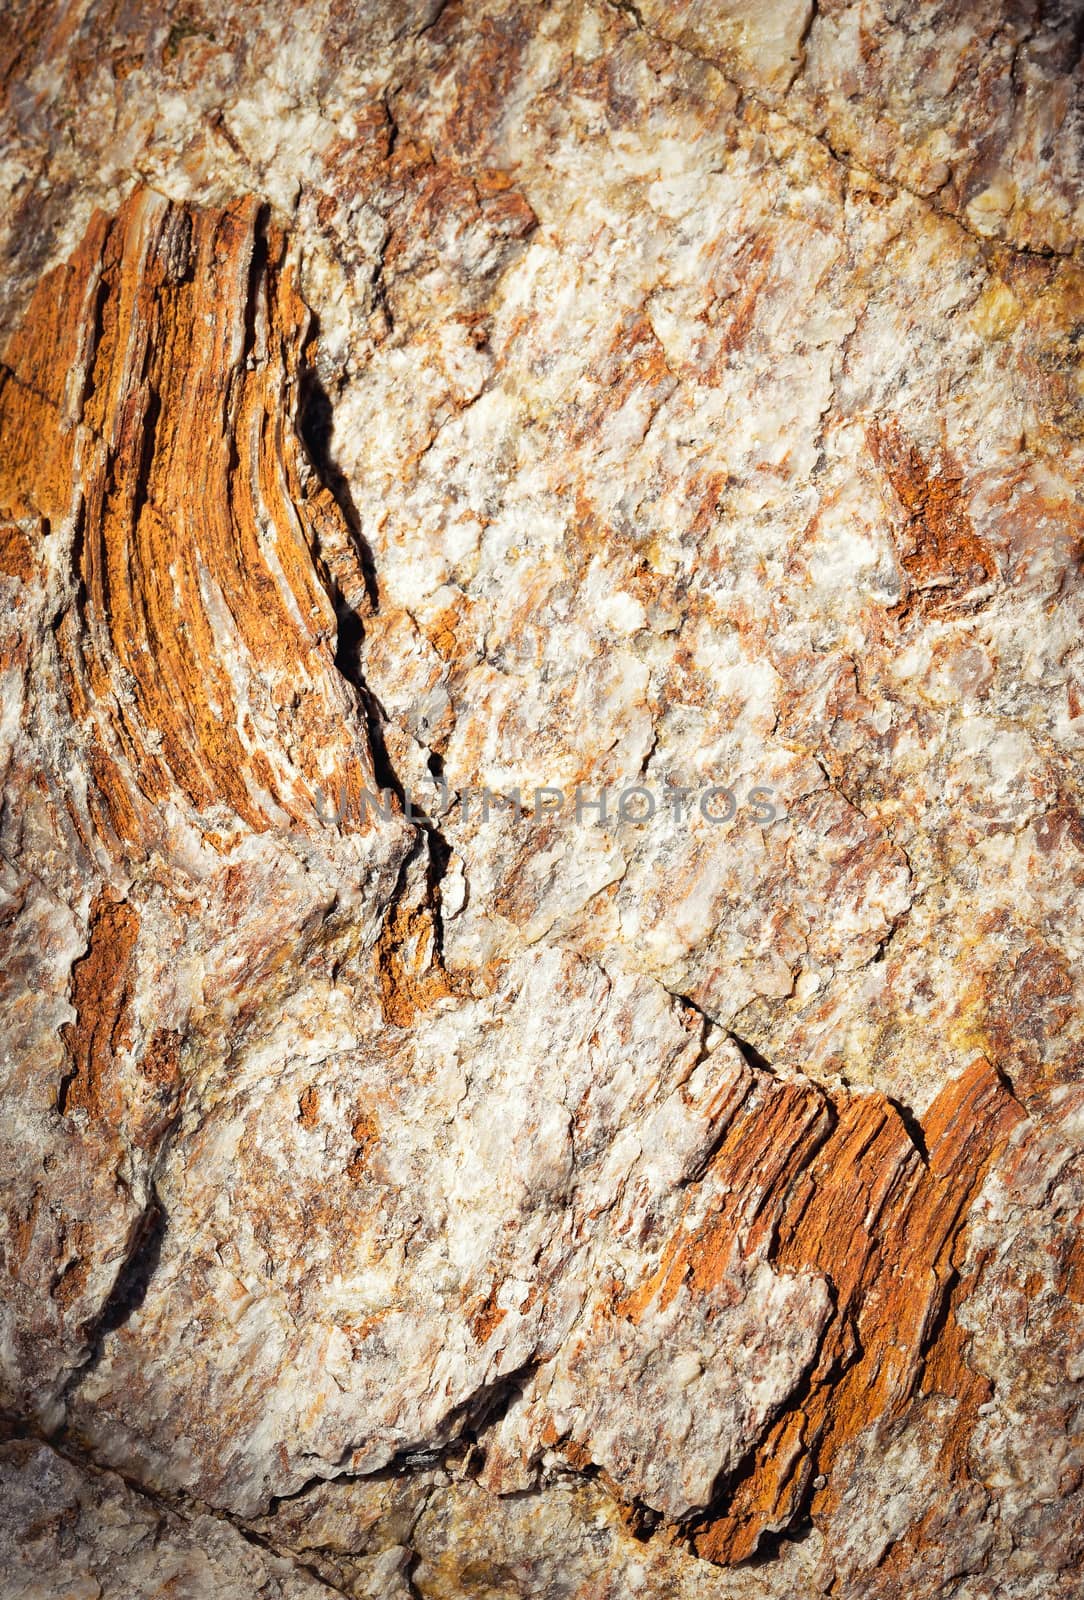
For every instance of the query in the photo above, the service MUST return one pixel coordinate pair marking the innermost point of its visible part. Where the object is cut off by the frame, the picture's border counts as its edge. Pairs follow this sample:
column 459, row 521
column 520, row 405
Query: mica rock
column 69, row 1529
column 542, row 836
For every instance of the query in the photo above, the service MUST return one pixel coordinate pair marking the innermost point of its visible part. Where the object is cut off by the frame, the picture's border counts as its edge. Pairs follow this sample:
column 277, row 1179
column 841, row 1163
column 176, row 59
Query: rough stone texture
column 83, row 1533
column 434, row 398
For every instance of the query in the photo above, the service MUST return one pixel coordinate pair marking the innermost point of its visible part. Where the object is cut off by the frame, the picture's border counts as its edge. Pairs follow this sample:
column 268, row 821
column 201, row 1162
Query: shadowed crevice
column 129, row 1288
column 316, row 427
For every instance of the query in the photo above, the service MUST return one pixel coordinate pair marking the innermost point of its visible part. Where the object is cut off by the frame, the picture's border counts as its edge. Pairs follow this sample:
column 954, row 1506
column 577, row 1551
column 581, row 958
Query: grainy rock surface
column 411, row 1187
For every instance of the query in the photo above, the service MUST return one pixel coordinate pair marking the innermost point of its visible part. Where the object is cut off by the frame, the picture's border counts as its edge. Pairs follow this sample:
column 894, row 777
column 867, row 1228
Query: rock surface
column 542, row 561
